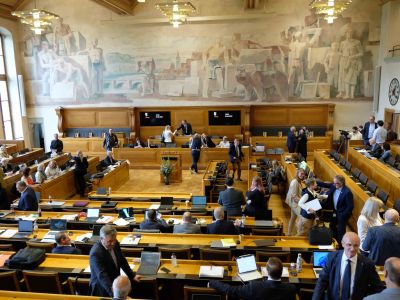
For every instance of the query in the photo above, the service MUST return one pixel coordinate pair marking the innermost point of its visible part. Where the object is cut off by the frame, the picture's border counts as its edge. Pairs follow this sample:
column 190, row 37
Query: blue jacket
column 365, row 279
column 65, row 250
column 366, row 130
column 28, row 200
column 382, row 242
column 222, row 227
column 159, row 224
column 345, row 203
column 291, row 142
column 231, row 199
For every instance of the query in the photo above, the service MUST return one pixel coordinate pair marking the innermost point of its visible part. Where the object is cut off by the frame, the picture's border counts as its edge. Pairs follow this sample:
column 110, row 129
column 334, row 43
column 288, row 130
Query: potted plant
column 166, row 170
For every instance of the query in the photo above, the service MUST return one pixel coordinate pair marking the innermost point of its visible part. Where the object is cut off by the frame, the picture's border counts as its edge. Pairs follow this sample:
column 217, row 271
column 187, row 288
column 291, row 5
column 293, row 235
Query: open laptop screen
column 320, row 258
column 58, row 224
column 246, row 263
column 150, row 258
column 126, row 212
column 25, row 226
column 199, row 200
column 167, row 201
column 264, row 216
column 93, row 212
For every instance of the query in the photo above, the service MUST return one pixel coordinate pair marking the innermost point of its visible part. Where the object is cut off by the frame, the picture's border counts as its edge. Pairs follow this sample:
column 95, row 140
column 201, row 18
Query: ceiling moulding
column 121, row 7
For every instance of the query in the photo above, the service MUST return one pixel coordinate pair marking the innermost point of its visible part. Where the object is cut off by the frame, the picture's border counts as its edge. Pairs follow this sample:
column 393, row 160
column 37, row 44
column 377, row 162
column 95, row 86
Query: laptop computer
column 37, row 194
column 247, row 268
column 126, row 213
column 149, row 263
column 95, row 233
column 25, row 229
column 109, row 204
column 199, row 202
column 101, row 191
column 166, row 203
column 92, row 215
column 56, row 225
column 319, row 261
column 262, row 219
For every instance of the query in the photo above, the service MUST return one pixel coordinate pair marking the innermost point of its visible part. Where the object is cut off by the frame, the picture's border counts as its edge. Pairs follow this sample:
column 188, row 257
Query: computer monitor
column 93, row 212
column 320, row 258
column 246, row 263
column 199, row 200
column 267, row 216
column 101, row 191
column 58, row 224
column 25, row 226
column 167, row 201
column 126, row 212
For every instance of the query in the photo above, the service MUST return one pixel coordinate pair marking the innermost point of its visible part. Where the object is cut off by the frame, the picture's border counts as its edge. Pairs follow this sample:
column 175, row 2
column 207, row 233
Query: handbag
column 162, row 138
column 320, row 235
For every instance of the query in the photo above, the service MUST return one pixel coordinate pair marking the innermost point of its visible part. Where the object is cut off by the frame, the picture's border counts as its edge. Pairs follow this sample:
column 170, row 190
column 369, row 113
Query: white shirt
column 380, row 135
column 223, row 144
column 50, row 172
column 353, row 271
column 168, row 136
column 371, row 130
column 363, row 224
column 304, row 199
column 356, row 136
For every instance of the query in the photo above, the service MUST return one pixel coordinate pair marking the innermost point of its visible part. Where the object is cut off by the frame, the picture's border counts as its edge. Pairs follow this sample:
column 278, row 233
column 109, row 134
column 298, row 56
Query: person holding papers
column 64, row 244
column 152, row 222
column 272, row 288
column 308, row 207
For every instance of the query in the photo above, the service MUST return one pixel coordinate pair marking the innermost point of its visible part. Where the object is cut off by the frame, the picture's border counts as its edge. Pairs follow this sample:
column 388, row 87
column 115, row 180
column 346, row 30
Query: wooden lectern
column 174, row 160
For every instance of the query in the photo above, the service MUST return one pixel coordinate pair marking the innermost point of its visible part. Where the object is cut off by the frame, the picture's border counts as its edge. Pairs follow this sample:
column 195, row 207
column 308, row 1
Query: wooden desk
column 121, row 196
column 89, row 146
column 11, row 148
column 395, row 149
column 36, row 153
column 325, row 169
column 384, row 176
column 7, row 295
column 149, row 158
column 208, row 181
column 113, row 179
column 19, row 144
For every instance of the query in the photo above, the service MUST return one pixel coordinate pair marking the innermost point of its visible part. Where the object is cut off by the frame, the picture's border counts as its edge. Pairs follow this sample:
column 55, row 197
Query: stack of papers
column 8, row 233
column 154, row 206
column 129, row 240
column 31, row 217
column 69, row 217
column 326, row 247
column 54, row 203
column 285, row 272
column 121, row 222
column 313, row 204
column 211, row 271
column 105, row 219
column 228, row 243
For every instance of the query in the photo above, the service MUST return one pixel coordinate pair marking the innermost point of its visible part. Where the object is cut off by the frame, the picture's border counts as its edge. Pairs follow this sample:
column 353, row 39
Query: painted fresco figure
column 97, row 68
column 63, row 33
column 46, row 59
column 148, row 83
column 295, row 64
column 332, row 65
column 350, row 65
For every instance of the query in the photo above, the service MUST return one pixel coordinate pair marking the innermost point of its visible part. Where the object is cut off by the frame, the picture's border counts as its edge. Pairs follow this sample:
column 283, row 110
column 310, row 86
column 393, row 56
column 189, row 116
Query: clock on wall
column 394, row 91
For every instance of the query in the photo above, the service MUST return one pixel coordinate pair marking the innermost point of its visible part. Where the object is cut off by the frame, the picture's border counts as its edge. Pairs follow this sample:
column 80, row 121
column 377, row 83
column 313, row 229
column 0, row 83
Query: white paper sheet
column 285, row 272
column 130, row 240
column 154, row 206
column 326, row 247
column 211, row 271
column 314, row 204
column 8, row 233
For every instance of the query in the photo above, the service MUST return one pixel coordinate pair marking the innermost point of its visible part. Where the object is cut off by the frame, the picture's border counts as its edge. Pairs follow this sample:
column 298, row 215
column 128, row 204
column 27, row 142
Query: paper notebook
column 130, row 240
column 228, row 242
column 211, row 272
column 285, row 272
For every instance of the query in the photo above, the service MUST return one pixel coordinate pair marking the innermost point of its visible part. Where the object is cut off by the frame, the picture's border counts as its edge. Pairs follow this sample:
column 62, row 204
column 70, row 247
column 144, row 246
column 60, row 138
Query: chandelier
column 38, row 20
column 330, row 9
column 176, row 11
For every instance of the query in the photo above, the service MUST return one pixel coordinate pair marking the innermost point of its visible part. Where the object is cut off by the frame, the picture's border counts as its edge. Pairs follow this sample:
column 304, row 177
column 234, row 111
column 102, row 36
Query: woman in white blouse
column 369, row 217
column 224, row 143
column 167, row 134
column 52, row 169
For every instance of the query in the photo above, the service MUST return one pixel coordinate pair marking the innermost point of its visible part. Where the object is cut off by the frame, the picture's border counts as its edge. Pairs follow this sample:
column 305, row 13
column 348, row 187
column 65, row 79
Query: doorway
column 36, row 132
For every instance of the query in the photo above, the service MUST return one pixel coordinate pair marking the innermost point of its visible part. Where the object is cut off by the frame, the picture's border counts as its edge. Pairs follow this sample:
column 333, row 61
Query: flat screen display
column 155, row 118
column 224, row 118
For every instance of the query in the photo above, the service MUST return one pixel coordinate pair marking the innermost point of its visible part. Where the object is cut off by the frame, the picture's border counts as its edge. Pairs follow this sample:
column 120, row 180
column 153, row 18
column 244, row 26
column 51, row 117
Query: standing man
column 186, row 128
column 28, row 200
column 195, row 146
column 106, row 260
column 236, row 156
column 110, row 140
column 347, row 274
column 392, row 280
column 81, row 165
column 64, row 244
column 231, row 199
column 340, row 200
column 291, row 140
column 383, row 241
column 368, row 130
column 379, row 136
column 56, row 145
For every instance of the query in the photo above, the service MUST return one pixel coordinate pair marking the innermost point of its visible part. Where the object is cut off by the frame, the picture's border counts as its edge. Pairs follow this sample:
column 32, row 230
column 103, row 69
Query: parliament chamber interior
column 170, row 149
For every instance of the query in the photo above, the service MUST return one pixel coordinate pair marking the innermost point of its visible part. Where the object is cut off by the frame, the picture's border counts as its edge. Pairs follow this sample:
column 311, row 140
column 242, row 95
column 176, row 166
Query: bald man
column 121, row 288
column 392, row 280
column 187, row 225
column 222, row 226
column 347, row 274
column 383, row 242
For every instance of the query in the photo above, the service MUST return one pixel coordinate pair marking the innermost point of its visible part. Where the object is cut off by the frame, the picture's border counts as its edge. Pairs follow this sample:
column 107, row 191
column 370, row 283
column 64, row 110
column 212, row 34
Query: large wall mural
column 242, row 62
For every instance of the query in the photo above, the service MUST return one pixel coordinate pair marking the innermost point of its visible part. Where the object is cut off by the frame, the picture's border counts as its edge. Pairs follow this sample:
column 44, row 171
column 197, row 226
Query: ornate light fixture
column 330, row 9
column 38, row 20
column 177, row 12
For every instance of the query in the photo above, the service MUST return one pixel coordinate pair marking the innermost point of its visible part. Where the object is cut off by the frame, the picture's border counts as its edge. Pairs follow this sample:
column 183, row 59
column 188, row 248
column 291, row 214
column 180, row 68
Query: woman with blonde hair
column 52, row 169
column 255, row 198
column 167, row 135
column 293, row 197
column 369, row 217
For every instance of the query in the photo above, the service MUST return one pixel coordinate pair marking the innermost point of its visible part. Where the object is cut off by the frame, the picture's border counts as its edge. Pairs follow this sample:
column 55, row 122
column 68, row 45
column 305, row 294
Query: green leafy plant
column 166, row 170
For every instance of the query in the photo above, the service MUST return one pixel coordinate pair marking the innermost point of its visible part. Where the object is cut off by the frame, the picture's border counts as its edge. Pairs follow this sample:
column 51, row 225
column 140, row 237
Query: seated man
column 121, row 288
column 153, row 223
column 392, row 280
column 109, row 160
column 206, row 141
column 386, row 152
column 224, row 143
column 221, row 226
column 64, row 244
column 383, row 241
column 272, row 288
column 187, row 226
column 231, row 199
column 28, row 200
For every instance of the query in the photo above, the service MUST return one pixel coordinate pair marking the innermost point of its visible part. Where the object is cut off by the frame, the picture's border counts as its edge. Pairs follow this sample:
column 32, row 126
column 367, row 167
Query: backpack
column 27, row 258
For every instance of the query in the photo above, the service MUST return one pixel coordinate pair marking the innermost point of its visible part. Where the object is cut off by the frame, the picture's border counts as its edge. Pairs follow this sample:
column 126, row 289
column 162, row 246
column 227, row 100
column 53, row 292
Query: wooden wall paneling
column 72, row 145
column 113, row 119
column 80, row 119
column 307, row 116
column 269, row 116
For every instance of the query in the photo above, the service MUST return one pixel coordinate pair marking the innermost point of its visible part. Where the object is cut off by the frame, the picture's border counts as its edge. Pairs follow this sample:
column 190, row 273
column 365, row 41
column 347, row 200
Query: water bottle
column 299, row 263
column 109, row 190
column 39, row 211
column 243, row 220
column 293, row 269
column 35, row 228
column 50, row 199
column 174, row 262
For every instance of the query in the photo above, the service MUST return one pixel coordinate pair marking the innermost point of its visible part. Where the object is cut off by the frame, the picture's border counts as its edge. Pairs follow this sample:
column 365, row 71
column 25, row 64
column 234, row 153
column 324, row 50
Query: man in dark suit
column 221, row 226
column 4, row 202
column 271, row 289
column 340, row 200
column 368, row 130
column 185, row 127
column 28, row 200
column 151, row 222
column 64, row 244
column 106, row 260
column 383, row 241
column 56, row 145
column 231, row 199
column 347, row 274
column 236, row 156
column 206, row 141
column 109, row 160
column 110, row 140
column 81, row 165
column 187, row 225
column 291, row 140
